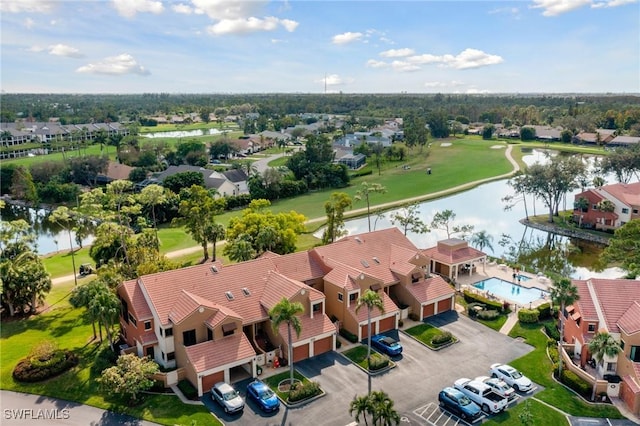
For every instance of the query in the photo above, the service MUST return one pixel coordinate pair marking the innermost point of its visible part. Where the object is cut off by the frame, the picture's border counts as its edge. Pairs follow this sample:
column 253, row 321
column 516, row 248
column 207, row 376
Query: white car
column 228, row 398
column 481, row 394
column 499, row 386
column 511, row 376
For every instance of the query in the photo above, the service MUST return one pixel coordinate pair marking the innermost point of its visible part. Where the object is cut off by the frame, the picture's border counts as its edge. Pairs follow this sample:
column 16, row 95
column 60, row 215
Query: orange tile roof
column 138, row 302
column 344, row 276
column 300, row 266
column 629, row 322
column 221, row 314
column 218, row 353
column 361, row 315
column 148, row 338
column 628, row 193
column 461, row 255
column 186, row 304
column 278, row 286
column 613, row 297
column 311, row 327
column 429, row 289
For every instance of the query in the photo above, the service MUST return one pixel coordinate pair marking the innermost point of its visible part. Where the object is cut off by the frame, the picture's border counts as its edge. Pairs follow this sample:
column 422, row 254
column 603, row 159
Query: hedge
column 378, row 361
column 576, row 383
column 470, row 297
column 34, row 369
column 441, row 339
column 303, row 391
column 552, row 331
column 545, row 311
column 348, row 335
column 528, row 316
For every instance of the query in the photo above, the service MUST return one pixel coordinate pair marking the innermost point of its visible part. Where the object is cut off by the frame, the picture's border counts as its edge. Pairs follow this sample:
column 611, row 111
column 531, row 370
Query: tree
column 366, row 190
column 240, row 249
column 64, row 217
column 444, row 221
column 603, row 345
column 519, row 183
column 408, row 217
column 415, row 130
column 198, row 209
column 360, row 405
column 129, row 377
column 623, row 162
column 183, row 180
column 487, row 131
column 598, row 181
column 377, row 150
column 606, row 206
column 384, row 413
column 22, row 186
column 286, row 312
column 335, row 207
column 371, row 300
column 152, row 196
column 624, row 248
column 527, row 134
column 215, row 232
column 563, row 293
column 482, row 239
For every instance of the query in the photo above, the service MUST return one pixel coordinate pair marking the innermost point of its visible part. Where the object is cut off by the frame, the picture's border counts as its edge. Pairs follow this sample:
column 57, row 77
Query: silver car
column 228, row 398
column 498, row 386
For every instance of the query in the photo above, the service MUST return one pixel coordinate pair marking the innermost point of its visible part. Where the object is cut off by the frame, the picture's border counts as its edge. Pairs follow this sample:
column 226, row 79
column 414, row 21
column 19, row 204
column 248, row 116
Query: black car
column 458, row 403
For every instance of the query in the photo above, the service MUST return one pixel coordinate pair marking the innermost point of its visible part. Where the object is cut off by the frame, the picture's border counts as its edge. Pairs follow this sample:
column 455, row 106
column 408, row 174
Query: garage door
column 388, row 324
column 301, row 352
column 323, row 345
column 364, row 328
column 444, row 305
column 427, row 310
column 212, row 379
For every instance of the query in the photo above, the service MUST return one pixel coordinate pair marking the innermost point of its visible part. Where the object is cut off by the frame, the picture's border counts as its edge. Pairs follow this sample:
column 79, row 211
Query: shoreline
column 571, row 233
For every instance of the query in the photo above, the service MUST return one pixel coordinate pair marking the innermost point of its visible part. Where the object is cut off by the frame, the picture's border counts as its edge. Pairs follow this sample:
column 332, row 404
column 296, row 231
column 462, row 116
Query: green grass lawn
column 495, row 324
column 537, row 366
column 542, row 415
column 274, row 381
column 425, row 333
column 67, row 327
column 358, row 355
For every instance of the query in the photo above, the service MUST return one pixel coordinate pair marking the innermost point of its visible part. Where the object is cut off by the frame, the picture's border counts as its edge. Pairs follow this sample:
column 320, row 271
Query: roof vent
column 364, row 263
column 229, row 295
column 214, row 269
column 358, row 239
column 375, row 259
column 246, row 291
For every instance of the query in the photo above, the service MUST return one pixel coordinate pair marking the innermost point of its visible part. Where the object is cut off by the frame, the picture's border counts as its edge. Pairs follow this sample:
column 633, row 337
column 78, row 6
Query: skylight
column 229, row 295
column 364, row 263
column 246, row 291
column 375, row 259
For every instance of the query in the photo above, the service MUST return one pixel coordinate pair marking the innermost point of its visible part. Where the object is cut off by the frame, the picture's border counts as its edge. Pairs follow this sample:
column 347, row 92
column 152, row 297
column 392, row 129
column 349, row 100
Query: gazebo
column 453, row 257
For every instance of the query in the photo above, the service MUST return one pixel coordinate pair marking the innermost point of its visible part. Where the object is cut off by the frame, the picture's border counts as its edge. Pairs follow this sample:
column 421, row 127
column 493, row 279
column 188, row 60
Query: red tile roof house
column 624, row 196
column 212, row 322
column 613, row 306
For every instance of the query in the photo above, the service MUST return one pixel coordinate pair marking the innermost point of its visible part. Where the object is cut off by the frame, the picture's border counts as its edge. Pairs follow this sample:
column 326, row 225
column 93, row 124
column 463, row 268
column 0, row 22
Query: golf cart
column 86, row 269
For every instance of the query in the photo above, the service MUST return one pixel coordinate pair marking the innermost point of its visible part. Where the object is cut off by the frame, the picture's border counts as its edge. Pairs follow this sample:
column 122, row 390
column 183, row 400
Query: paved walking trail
column 262, row 164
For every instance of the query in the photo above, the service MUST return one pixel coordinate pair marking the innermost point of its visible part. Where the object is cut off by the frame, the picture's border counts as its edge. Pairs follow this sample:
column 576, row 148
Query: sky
column 301, row 46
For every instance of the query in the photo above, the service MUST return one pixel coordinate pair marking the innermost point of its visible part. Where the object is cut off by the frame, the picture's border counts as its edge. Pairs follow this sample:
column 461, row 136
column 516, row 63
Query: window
column 635, row 211
column 353, row 297
column 622, row 344
column 340, row 297
column 132, row 320
column 168, row 332
column 625, row 210
column 611, row 366
column 163, row 355
column 125, row 310
column 592, row 328
column 147, row 325
column 151, row 353
column 189, row 337
column 209, row 334
column 229, row 329
column 634, row 354
column 317, row 307
column 171, row 356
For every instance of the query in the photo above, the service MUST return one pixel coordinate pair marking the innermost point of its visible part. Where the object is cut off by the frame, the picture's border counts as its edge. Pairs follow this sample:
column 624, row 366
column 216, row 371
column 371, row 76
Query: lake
column 181, row 133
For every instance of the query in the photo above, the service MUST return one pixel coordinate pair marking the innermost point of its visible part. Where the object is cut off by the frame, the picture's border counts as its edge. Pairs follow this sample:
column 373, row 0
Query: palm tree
column 606, row 206
column 482, row 239
column 603, row 345
column 65, row 218
column 598, row 181
column 563, row 293
column 382, row 409
column 370, row 299
column 360, row 405
column 215, row 232
column 286, row 312
column 369, row 188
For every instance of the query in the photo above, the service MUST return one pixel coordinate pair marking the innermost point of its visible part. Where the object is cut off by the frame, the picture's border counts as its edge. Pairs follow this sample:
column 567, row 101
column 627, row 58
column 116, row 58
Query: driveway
column 420, row 374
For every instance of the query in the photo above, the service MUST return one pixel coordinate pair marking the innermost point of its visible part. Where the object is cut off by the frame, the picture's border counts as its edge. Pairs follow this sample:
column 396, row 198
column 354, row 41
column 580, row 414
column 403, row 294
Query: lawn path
column 360, row 211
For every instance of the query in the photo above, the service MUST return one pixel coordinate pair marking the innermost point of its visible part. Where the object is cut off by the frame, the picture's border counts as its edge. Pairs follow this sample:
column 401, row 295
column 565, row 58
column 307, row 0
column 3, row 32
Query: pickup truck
column 481, row 394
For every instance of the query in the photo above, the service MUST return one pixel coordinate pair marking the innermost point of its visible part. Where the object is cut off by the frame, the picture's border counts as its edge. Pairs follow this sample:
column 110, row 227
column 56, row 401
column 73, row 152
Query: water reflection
column 181, row 133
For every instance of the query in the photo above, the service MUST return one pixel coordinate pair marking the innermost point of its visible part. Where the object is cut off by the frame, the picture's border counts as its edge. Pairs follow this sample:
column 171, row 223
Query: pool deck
column 488, row 270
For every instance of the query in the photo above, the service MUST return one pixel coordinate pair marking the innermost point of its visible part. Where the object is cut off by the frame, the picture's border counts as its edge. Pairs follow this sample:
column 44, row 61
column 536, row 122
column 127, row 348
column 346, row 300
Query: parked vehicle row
column 470, row 398
column 231, row 401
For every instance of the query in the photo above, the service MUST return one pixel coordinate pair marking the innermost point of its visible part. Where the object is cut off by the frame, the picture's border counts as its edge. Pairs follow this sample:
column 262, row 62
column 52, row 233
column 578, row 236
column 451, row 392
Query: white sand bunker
column 498, row 146
column 445, row 144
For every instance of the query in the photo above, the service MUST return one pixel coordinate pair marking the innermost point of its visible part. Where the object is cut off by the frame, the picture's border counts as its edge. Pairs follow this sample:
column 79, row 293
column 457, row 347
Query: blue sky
column 214, row 46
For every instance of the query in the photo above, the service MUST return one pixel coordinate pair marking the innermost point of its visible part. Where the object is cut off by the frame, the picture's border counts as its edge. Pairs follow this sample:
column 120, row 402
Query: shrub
column 528, row 316
column 576, row 383
column 303, row 391
column 488, row 315
column 35, row 368
column 414, row 317
column 441, row 339
column 338, row 344
column 378, row 361
column 545, row 311
column 470, row 297
column 104, row 359
column 552, row 331
column 553, row 353
column 348, row 335
column 471, row 311
column 188, row 390
column 400, row 323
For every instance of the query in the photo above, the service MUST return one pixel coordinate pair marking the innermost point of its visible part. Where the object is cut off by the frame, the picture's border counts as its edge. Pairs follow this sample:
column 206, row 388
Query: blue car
column 266, row 399
column 458, row 403
column 386, row 345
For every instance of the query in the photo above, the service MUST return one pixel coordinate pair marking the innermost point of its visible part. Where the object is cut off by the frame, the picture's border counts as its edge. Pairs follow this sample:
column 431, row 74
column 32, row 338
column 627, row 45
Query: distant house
column 115, row 171
column 611, row 306
column 624, row 197
column 352, row 161
column 230, row 182
column 546, row 133
column 622, row 141
column 596, row 138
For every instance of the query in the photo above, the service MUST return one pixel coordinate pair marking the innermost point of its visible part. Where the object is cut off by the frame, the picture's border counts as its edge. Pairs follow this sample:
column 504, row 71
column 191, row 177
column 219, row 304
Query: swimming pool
column 511, row 292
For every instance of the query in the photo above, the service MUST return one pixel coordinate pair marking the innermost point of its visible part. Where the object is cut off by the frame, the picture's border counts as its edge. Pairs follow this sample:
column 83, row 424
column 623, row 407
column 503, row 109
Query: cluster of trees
column 314, row 165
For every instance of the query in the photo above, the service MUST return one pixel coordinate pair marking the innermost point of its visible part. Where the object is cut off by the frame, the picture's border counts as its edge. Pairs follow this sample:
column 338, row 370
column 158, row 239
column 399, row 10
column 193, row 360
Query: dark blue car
column 266, row 399
column 458, row 403
column 387, row 345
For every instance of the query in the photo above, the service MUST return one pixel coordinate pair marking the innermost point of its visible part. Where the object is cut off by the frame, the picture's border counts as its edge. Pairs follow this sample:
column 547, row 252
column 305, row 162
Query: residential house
column 228, row 183
column 625, row 198
column 211, row 321
column 622, row 141
column 596, row 138
column 611, row 306
column 115, row 171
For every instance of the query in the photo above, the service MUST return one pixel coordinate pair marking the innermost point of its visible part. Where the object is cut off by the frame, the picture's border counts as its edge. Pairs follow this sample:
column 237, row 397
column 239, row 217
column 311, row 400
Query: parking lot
column 420, row 374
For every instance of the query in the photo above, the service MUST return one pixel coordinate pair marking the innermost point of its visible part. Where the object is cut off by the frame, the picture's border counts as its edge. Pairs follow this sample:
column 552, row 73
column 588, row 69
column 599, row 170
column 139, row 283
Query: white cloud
column 403, row 66
column 558, row 7
column 425, row 59
column 36, row 49
column 468, row 58
column 477, row 91
column 64, row 50
column 452, row 83
column 228, row 9
column 129, row 8
column 397, row 53
column 28, row 23
column 345, row 38
column 334, row 80
column 30, row 6
column 182, row 8
column 248, row 25
column 372, row 63
column 115, row 65
column 611, row 3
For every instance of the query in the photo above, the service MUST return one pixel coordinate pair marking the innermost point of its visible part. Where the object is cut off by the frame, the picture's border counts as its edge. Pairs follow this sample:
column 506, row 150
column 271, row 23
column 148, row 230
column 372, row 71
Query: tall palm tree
column 603, row 345
column 563, row 293
column 382, row 409
column 598, row 181
column 482, row 239
column 370, row 299
column 215, row 232
column 360, row 405
column 286, row 312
